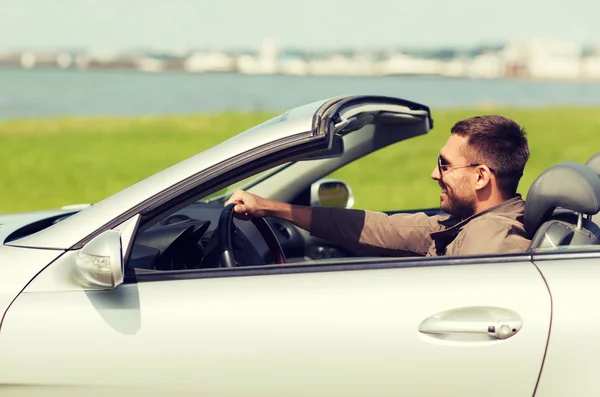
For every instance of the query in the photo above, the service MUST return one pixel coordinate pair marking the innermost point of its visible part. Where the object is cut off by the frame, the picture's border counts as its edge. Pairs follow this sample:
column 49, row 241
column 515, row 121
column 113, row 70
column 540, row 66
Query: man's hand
column 248, row 205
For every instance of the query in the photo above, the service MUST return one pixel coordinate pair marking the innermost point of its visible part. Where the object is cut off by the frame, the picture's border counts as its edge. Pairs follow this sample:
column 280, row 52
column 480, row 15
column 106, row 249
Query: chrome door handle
column 498, row 329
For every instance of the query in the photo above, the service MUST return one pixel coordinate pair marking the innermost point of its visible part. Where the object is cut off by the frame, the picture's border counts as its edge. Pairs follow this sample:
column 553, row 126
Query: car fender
column 18, row 266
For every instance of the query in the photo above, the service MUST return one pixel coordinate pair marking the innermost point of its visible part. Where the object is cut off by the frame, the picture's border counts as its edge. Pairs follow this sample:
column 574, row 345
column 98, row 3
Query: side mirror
column 331, row 193
column 99, row 264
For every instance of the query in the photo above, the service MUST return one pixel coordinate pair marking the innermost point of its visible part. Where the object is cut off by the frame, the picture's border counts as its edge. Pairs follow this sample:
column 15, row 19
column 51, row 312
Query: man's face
column 455, row 177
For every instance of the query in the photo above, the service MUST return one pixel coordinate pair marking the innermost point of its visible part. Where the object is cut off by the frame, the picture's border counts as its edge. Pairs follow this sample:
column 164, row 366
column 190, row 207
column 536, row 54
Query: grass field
column 48, row 163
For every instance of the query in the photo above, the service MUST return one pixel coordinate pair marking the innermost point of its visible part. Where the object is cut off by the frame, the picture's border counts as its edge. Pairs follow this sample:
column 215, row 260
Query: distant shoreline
column 12, row 68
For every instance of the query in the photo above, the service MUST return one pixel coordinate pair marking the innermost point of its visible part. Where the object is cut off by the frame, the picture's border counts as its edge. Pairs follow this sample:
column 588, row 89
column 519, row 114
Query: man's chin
column 444, row 206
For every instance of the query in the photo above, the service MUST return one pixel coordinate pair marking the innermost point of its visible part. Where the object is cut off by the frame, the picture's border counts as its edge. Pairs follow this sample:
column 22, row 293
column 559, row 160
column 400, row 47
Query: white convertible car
column 158, row 289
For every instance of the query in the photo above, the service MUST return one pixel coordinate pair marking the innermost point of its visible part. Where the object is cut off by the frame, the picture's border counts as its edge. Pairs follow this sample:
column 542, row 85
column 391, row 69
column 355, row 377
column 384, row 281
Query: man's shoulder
column 497, row 225
column 494, row 221
column 508, row 215
column 496, row 232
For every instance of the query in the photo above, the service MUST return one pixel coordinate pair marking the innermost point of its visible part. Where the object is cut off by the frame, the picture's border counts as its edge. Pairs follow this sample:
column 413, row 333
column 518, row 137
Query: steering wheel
column 226, row 228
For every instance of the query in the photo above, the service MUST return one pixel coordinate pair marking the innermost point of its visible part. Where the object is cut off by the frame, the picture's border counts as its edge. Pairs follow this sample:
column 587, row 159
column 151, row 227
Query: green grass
column 48, row 163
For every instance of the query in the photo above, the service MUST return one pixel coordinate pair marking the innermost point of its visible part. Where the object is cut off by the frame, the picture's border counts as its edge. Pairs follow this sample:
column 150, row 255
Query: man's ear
column 482, row 177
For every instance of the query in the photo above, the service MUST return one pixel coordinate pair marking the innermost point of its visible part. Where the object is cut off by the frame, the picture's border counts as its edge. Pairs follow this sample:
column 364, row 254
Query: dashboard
column 187, row 240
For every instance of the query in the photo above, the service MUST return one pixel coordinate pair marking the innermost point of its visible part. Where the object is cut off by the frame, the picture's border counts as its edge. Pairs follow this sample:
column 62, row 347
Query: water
column 36, row 93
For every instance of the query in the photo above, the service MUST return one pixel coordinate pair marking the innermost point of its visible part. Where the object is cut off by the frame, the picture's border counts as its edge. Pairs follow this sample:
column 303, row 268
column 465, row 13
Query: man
column 478, row 171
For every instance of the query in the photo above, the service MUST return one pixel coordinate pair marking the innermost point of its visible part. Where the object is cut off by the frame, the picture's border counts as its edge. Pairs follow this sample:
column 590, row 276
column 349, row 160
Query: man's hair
column 499, row 143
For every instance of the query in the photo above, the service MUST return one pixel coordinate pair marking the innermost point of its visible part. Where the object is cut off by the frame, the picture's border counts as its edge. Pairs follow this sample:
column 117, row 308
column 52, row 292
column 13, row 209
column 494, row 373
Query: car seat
column 556, row 204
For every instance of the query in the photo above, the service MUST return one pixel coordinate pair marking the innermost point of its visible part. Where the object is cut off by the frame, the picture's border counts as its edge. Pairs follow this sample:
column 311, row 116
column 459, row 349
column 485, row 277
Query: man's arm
column 374, row 231
column 353, row 229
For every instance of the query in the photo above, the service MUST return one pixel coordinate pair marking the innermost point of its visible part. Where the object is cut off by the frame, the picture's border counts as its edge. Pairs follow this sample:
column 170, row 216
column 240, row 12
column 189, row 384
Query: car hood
column 17, row 225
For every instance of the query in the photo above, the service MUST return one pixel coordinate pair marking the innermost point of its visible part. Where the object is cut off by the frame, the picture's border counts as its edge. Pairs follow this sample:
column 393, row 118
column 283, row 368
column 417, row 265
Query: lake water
column 35, row 93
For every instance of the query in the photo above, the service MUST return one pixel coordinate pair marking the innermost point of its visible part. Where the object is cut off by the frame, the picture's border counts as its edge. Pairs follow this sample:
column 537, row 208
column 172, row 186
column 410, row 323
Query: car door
column 361, row 327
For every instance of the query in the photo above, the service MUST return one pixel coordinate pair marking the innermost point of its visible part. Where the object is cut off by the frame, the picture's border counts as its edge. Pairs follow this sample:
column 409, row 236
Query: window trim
column 341, row 264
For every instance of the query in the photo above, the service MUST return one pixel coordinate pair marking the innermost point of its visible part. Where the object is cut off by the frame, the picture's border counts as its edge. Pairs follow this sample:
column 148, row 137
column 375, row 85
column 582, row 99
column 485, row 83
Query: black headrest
column 594, row 163
column 572, row 186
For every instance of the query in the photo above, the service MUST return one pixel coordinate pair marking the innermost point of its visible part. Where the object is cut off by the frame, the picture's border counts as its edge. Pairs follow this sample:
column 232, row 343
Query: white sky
column 317, row 24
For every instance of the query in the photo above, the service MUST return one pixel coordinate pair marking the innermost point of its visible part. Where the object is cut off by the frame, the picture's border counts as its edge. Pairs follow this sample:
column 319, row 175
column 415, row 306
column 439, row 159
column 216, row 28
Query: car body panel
column 570, row 367
column 18, row 266
column 345, row 331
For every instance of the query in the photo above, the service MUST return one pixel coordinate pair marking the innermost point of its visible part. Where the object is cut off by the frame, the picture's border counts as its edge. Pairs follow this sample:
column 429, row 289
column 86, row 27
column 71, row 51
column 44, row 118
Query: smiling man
column 478, row 171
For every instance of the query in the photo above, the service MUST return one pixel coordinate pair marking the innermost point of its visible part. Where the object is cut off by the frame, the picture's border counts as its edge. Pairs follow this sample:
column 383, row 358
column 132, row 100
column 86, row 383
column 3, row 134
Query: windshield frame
column 245, row 184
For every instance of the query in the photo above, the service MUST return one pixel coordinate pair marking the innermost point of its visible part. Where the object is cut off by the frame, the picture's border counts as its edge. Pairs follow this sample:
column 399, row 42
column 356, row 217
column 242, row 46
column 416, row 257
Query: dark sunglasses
column 445, row 167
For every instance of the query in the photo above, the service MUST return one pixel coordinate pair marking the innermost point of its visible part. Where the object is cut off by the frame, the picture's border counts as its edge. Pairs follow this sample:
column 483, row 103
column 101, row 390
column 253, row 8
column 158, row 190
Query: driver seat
column 556, row 204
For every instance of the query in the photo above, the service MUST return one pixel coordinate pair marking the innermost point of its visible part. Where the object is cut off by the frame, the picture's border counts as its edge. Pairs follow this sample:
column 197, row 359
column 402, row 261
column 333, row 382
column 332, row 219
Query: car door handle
column 497, row 329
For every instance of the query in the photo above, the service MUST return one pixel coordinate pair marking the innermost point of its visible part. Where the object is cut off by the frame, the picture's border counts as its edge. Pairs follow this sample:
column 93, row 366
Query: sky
column 304, row 24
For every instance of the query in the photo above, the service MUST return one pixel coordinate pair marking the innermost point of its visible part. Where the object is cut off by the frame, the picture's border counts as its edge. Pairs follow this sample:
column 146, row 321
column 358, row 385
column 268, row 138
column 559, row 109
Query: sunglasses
column 442, row 166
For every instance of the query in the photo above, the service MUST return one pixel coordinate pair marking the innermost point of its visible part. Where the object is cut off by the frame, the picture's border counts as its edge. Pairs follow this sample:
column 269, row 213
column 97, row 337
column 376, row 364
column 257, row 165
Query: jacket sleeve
column 489, row 236
column 377, row 232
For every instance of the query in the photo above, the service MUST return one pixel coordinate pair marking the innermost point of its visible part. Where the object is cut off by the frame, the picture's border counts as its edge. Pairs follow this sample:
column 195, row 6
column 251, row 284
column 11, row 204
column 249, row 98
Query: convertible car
column 159, row 289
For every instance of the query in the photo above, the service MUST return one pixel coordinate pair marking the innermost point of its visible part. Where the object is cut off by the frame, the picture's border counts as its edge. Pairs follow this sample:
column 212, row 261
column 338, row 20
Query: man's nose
column 435, row 174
